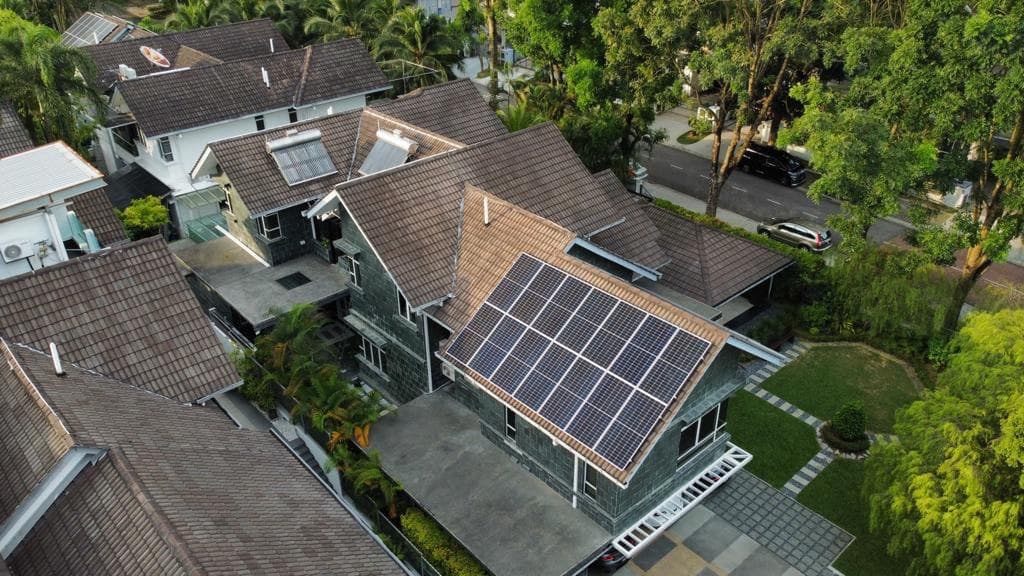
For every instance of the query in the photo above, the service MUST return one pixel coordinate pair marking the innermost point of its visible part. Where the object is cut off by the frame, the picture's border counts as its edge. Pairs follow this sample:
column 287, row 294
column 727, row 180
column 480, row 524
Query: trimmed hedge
column 850, row 421
column 829, row 435
column 440, row 548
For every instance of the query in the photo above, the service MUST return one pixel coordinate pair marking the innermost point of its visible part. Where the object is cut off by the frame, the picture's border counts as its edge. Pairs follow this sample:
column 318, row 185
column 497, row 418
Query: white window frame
column 227, row 198
column 355, row 270
column 373, row 354
column 590, row 475
column 404, row 310
column 269, row 232
column 696, row 425
column 510, row 424
column 168, row 154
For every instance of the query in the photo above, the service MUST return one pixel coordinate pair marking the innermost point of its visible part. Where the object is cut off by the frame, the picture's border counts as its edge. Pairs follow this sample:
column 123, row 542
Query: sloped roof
column 708, row 264
column 14, row 137
column 411, row 214
column 47, row 169
column 124, row 312
column 454, row 109
column 226, row 42
column 485, row 252
column 636, row 239
column 183, row 99
column 95, row 211
column 90, row 24
column 180, row 489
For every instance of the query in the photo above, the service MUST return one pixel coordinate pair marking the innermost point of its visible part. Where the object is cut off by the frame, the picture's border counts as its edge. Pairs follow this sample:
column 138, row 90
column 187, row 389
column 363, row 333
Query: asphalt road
column 752, row 196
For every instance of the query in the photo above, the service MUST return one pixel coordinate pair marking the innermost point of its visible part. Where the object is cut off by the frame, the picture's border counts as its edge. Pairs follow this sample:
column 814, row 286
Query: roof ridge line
column 162, row 524
column 102, row 253
column 39, row 397
column 303, row 75
column 174, row 36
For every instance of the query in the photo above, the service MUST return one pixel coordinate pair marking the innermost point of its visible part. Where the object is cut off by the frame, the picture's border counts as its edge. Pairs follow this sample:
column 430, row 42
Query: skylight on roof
column 389, row 151
column 301, row 157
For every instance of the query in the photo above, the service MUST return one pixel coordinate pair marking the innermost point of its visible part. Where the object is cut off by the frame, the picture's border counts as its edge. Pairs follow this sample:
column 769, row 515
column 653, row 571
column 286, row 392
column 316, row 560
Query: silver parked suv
column 803, row 234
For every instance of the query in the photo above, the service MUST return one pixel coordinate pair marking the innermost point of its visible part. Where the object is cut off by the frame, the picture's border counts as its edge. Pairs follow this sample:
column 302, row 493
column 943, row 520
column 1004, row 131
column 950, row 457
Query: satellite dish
column 155, row 57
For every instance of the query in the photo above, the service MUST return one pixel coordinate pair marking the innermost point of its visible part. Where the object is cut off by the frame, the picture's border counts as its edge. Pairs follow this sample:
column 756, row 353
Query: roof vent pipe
column 271, row 45
column 487, row 212
column 266, row 76
column 58, row 368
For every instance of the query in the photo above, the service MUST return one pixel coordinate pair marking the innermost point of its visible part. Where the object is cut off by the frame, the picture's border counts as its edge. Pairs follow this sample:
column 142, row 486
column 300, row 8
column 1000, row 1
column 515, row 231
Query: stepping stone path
column 803, row 477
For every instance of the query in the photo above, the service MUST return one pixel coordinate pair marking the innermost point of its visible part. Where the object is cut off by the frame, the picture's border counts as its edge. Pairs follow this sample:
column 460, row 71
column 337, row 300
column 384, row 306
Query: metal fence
column 406, row 550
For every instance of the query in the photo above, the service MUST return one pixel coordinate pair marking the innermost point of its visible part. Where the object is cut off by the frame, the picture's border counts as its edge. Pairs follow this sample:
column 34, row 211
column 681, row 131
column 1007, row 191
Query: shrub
column 829, row 435
column 850, row 421
column 438, row 546
column 144, row 217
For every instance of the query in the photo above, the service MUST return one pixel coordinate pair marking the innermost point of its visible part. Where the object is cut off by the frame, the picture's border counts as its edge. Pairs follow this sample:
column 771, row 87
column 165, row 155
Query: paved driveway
column 746, row 528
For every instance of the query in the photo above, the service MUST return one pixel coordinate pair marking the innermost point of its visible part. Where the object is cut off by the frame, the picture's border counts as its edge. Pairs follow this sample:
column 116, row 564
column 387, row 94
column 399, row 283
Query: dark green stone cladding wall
column 614, row 508
column 376, row 302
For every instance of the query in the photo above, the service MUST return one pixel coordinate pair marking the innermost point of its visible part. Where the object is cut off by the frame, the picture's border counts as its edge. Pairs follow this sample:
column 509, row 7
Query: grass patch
column 836, row 495
column 780, row 443
column 826, row 377
column 690, row 137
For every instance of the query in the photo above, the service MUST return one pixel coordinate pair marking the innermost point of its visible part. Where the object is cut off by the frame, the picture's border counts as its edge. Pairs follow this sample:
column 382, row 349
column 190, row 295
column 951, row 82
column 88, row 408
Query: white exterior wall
column 33, row 228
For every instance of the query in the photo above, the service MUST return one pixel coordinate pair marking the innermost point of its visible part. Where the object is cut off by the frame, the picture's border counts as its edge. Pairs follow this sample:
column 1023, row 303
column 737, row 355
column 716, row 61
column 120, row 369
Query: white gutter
column 32, row 508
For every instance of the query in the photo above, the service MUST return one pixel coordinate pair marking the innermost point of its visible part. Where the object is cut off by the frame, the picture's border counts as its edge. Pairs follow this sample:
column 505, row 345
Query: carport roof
column 508, row 518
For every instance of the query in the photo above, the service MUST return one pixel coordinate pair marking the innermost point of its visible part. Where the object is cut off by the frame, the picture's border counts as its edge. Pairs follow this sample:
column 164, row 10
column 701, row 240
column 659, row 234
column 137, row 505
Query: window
column 510, row 424
column 403, row 308
column 293, row 115
column 355, row 272
column 590, row 481
column 166, row 154
column 374, row 355
column 227, row 199
column 261, row 124
column 269, row 226
column 708, row 426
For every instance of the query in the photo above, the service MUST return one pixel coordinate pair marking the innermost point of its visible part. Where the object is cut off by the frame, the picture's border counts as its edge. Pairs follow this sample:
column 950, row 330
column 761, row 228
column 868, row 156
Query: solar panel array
column 88, row 30
column 304, row 161
column 598, row 368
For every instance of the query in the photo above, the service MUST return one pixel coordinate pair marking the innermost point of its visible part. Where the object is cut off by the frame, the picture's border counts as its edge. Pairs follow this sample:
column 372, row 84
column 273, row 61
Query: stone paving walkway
column 809, row 472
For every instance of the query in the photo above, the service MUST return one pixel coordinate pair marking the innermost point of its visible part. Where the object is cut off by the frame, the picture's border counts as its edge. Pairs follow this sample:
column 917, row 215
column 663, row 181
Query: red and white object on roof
column 155, row 57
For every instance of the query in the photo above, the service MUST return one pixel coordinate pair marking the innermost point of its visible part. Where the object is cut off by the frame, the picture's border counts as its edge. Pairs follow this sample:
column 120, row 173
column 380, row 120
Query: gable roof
column 180, row 489
column 124, row 312
column 188, row 98
column 487, row 251
column 226, row 42
column 708, row 264
column 636, row 239
column 411, row 214
column 14, row 137
column 453, row 109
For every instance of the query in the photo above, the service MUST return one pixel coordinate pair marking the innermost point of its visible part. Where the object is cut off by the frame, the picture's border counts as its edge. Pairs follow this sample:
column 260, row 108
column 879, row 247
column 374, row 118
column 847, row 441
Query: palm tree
column 336, row 19
column 289, row 16
column 520, row 116
column 328, row 400
column 45, row 81
column 367, row 477
column 199, row 14
column 412, row 36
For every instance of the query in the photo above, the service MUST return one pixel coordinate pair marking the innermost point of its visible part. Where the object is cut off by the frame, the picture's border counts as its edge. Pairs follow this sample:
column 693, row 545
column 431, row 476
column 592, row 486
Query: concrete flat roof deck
column 251, row 288
column 507, row 517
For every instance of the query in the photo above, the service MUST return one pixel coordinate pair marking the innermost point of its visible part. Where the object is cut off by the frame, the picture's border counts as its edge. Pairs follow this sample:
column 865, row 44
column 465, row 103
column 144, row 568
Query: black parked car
column 773, row 163
column 609, row 561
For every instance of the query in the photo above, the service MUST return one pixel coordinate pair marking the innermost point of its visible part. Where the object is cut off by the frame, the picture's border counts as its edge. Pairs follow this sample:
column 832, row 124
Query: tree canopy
column 950, row 492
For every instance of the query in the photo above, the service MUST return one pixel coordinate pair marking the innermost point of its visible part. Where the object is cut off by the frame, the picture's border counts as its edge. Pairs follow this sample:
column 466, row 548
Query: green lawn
column 836, row 495
column 781, row 444
column 826, row 377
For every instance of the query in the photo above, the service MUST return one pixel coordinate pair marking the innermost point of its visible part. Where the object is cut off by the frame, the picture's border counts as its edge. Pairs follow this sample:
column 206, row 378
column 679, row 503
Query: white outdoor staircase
column 689, row 496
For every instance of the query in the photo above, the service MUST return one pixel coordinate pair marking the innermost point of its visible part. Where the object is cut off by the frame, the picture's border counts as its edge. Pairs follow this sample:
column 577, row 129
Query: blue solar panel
column 600, row 369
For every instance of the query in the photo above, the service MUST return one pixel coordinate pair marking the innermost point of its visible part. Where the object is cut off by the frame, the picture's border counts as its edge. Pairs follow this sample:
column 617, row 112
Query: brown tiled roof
column 708, row 264
column 411, row 214
column 181, row 486
column 176, row 101
column 188, row 57
column 636, row 239
column 429, row 143
column 95, row 211
column 125, row 312
column 32, row 439
column 454, row 109
column 14, row 137
column 227, row 42
column 487, row 251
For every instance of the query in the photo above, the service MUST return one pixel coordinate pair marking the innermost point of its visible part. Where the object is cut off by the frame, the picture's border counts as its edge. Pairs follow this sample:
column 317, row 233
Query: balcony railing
column 126, row 144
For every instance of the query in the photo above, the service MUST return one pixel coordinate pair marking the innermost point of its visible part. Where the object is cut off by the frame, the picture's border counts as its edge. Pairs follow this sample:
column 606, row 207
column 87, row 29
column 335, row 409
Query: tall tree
column 490, row 9
column 423, row 40
column 199, row 14
column 40, row 77
column 551, row 32
column 746, row 50
column 949, row 494
column 336, row 19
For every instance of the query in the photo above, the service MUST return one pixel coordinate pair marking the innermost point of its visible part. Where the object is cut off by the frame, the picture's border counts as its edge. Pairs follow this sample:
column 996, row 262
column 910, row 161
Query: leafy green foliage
column 368, row 479
column 441, row 550
column 949, row 494
column 424, row 40
column 520, row 116
column 850, row 421
column 144, row 217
